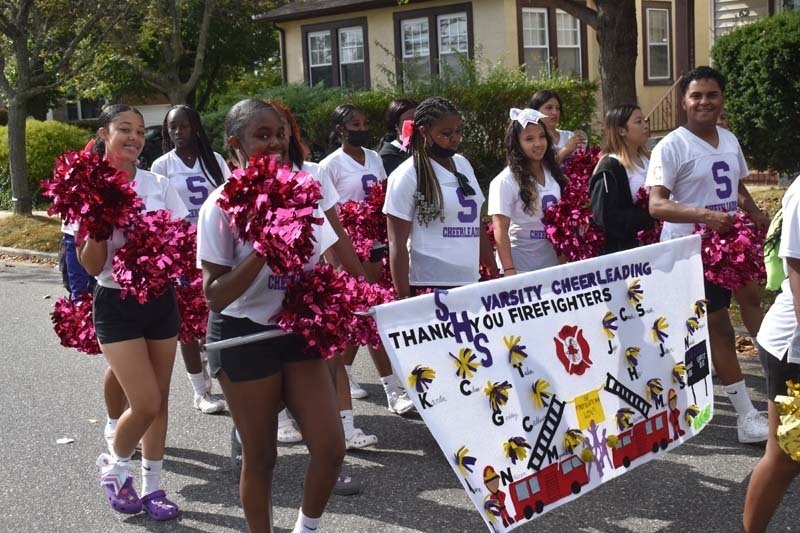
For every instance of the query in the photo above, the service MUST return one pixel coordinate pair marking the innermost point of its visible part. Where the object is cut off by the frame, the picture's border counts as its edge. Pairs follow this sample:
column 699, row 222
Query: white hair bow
column 526, row 116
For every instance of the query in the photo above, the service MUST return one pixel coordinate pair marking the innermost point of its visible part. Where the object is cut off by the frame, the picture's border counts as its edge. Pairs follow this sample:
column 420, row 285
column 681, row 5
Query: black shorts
column 376, row 255
column 117, row 320
column 718, row 298
column 256, row 360
column 777, row 372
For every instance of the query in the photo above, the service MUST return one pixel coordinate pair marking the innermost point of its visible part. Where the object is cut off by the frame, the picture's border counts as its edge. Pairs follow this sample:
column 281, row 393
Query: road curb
column 33, row 254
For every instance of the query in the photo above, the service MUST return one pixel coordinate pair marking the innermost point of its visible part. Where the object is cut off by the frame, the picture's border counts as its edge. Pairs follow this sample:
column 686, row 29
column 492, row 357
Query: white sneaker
column 208, row 404
column 399, row 402
column 753, row 427
column 358, row 439
column 355, row 389
column 289, row 434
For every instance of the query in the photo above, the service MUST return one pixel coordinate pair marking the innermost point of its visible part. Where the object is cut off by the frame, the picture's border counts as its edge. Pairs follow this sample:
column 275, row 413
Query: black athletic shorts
column 117, row 319
column 718, row 298
column 777, row 372
column 255, row 360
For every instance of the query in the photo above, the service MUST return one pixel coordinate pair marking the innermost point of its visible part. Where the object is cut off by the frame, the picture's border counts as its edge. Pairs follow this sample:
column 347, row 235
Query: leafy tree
column 762, row 64
column 43, row 44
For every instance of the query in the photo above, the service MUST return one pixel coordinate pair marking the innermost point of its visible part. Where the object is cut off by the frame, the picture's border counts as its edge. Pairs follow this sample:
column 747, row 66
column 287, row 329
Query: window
column 336, row 54
column 657, row 43
column 433, row 41
column 534, row 485
column 566, row 467
column 550, row 38
column 83, row 110
column 522, row 491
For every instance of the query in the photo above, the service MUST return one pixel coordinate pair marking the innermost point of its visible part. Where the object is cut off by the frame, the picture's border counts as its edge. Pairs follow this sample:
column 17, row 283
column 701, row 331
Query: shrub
column 762, row 63
column 44, row 141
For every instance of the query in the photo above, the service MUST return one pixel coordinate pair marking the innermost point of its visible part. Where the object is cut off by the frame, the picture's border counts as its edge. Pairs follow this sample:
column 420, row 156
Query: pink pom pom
column 72, row 322
column 194, row 309
column 364, row 221
column 733, row 259
column 652, row 235
column 273, row 208
column 570, row 227
column 86, row 189
column 158, row 252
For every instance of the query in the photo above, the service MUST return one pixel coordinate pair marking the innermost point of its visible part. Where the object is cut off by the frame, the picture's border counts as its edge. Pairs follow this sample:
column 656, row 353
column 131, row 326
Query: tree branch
column 5, row 86
column 578, row 10
column 202, row 45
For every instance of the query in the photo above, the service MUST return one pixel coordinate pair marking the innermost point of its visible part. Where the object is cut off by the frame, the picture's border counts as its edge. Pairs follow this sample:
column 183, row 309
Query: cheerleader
column 433, row 204
column 619, row 176
column 391, row 149
column 565, row 142
column 520, row 194
column 353, row 170
column 137, row 340
column 258, row 378
column 194, row 170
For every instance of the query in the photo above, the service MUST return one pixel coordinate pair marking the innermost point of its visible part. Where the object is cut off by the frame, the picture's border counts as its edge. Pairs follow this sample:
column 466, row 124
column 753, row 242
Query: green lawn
column 39, row 233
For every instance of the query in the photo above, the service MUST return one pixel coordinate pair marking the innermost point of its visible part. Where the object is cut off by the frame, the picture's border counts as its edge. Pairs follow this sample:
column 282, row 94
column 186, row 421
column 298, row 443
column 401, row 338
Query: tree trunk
column 617, row 37
column 20, row 191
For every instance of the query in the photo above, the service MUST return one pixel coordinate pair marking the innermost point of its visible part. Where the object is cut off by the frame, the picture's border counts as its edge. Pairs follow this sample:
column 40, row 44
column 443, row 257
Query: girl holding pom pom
column 433, row 204
column 778, row 346
column 194, row 170
column 522, row 192
column 565, row 142
column 619, row 176
column 243, row 294
column 354, row 170
column 138, row 340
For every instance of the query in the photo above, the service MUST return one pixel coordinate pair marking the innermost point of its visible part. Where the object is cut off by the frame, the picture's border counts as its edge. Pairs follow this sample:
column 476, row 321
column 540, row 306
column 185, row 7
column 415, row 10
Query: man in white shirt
column 694, row 176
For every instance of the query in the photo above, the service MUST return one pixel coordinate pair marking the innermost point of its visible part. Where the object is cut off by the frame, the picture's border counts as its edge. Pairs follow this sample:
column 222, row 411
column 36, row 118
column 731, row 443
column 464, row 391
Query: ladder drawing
column 615, row 387
column 551, row 421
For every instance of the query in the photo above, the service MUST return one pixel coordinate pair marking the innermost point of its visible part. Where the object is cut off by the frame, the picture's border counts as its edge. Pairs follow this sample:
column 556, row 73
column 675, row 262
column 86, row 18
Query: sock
column 199, row 383
column 347, row 422
column 737, row 394
column 111, row 426
column 284, row 419
column 305, row 524
column 390, row 384
column 151, row 475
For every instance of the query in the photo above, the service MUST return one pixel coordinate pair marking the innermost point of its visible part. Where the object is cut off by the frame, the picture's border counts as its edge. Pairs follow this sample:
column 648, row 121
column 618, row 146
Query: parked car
column 152, row 147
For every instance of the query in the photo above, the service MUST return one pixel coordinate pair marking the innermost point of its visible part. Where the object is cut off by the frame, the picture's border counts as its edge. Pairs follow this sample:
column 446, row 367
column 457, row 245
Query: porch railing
column 664, row 116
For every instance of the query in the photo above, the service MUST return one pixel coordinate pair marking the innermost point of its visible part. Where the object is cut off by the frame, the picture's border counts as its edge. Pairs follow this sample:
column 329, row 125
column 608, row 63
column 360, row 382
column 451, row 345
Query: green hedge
column 483, row 99
column 762, row 64
column 44, row 141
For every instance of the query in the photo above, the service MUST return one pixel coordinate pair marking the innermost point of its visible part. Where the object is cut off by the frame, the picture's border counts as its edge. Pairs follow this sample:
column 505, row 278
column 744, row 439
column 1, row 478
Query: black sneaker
column 347, row 486
column 236, row 453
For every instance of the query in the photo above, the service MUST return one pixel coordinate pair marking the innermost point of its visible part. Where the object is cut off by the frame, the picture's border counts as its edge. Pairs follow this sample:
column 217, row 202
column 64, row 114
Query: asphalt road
column 48, row 392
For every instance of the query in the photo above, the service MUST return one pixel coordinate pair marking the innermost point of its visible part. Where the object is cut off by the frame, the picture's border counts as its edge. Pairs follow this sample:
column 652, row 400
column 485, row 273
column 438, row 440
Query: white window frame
column 546, row 46
column 311, row 50
column 577, row 46
column 458, row 15
column 354, row 29
column 668, row 44
column 409, row 22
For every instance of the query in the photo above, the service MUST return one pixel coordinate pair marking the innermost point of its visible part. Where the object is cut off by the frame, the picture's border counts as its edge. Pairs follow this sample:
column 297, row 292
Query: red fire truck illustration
column 530, row 494
column 644, row 436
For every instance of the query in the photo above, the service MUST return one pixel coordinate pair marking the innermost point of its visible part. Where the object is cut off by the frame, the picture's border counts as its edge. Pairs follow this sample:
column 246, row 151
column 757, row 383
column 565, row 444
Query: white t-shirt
column 191, row 184
column 780, row 321
column 444, row 254
column 530, row 248
column 330, row 196
column 637, row 176
column 156, row 193
column 219, row 244
column 352, row 179
column 563, row 138
column 697, row 174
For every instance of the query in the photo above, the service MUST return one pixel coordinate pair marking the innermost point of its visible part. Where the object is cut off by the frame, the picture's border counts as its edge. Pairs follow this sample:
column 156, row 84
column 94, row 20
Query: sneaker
column 236, row 453
column 208, row 404
column 358, row 439
column 356, row 391
column 399, row 402
column 753, row 427
column 347, row 486
column 289, row 434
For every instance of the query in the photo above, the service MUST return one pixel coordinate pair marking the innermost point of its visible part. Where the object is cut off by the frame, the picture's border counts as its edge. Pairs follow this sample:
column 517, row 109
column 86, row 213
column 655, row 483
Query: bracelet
column 510, row 268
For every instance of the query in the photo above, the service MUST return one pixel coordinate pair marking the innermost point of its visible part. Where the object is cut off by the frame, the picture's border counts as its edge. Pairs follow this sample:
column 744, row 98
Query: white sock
column 199, row 383
column 151, row 475
column 347, row 422
column 390, row 384
column 111, row 426
column 305, row 524
column 284, row 418
column 737, row 394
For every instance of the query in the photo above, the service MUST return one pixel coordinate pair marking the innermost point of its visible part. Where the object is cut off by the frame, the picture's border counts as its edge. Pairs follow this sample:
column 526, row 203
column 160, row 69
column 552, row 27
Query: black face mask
column 358, row 137
column 438, row 151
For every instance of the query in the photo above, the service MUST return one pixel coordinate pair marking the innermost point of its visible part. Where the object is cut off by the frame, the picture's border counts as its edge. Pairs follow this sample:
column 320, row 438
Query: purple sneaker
column 158, row 507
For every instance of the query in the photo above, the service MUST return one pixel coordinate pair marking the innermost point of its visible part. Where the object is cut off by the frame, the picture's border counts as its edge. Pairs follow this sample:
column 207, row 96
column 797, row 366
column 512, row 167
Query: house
column 363, row 43
column 153, row 107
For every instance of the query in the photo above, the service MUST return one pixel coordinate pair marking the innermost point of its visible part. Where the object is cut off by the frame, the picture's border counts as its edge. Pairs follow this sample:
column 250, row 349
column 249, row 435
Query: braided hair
column 205, row 154
column 106, row 118
column 518, row 164
column 429, row 200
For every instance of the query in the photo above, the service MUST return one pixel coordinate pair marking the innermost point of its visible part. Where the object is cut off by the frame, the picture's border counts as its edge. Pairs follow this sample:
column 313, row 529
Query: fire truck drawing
column 530, row 494
column 649, row 434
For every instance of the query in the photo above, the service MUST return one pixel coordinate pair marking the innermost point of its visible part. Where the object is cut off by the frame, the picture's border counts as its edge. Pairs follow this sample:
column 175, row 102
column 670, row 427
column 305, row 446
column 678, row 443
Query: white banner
column 541, row 386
